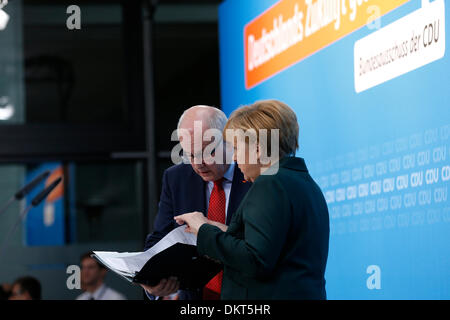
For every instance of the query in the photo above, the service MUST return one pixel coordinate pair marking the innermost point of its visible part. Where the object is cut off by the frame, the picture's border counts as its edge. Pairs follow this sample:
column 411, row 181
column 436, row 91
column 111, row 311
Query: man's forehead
column 196, row 145
column 198, row 135
column 194, row 125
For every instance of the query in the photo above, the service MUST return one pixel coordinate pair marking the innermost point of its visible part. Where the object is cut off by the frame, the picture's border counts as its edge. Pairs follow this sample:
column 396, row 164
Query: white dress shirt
column 102, row 293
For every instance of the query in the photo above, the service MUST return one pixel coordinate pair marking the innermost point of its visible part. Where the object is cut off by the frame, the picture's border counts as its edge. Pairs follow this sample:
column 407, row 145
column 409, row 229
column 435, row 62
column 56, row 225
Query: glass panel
column 95, row 202
column 108, row 202
column 11, row 64
column 102, row 208
column 52, row 75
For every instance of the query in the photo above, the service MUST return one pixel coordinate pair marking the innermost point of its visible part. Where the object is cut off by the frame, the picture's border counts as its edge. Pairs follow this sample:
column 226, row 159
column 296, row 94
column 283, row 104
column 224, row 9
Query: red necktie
column 216, row 212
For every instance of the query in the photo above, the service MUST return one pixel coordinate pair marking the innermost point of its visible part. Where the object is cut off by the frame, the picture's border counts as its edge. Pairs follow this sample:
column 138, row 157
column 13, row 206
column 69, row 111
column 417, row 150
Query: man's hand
column 194, row 221
column 164, row 288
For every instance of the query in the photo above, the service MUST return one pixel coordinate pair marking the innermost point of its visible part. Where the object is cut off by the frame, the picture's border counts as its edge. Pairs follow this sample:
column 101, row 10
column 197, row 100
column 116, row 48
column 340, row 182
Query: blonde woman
column 276, row 245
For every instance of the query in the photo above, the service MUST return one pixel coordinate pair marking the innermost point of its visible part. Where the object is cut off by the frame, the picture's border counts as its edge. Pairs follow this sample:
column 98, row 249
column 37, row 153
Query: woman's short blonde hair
column 268, row 114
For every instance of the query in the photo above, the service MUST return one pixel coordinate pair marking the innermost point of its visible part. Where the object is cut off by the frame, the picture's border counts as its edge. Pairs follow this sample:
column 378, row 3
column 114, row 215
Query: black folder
column 181, row 261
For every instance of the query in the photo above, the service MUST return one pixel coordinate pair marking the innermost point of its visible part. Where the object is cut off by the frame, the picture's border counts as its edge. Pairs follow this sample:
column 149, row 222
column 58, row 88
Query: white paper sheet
column 129, row 263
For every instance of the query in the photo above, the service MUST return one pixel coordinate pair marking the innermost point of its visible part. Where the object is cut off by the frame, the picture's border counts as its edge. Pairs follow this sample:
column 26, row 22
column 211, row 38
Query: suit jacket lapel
column 198, row 198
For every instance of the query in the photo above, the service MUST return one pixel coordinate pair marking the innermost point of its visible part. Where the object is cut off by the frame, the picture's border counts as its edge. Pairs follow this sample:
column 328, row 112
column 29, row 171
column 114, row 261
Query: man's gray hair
column 217, row 121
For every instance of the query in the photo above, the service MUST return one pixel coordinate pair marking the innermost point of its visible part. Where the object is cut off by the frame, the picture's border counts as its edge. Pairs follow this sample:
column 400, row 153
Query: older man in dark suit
column 204, row 184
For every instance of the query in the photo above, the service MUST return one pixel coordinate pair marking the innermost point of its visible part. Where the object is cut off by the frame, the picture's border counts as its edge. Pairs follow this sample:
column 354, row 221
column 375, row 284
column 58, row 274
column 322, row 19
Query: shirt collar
column 99, row 292
column 229, row 173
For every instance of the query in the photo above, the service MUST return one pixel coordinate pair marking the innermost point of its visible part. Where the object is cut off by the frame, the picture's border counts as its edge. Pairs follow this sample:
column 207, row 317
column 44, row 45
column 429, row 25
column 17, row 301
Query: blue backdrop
column 381, row 158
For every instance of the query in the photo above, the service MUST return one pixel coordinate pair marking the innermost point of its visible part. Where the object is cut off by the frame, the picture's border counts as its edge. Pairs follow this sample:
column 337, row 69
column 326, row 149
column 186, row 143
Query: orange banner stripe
column 292, row 30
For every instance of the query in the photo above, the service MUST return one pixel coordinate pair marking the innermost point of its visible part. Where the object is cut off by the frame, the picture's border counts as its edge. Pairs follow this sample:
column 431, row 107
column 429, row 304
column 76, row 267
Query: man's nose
column 199, row 164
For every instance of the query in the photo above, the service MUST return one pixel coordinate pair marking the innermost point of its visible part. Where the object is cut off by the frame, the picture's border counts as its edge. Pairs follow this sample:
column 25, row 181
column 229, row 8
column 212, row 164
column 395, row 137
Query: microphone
column 19, row 195
column 44, row 193
column 35, row 202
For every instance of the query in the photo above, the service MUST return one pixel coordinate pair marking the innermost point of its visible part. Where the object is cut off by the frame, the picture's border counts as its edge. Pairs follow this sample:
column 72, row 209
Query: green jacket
column 276, row 245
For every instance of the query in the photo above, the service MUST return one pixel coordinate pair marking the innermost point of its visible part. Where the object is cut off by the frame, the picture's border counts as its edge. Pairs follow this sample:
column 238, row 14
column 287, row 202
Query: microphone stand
column 35, row 202
column 25, row 190
column 7, row 204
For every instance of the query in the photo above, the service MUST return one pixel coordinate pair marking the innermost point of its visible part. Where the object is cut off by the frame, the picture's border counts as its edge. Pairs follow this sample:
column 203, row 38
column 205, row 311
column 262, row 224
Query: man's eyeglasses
column 201, row 156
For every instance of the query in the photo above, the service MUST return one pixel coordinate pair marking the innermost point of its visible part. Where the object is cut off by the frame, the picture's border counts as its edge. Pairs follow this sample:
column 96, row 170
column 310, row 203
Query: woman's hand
column 194, row 221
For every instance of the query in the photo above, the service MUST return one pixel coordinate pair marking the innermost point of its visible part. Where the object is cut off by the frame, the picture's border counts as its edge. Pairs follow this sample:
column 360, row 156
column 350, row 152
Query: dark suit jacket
column 276, row 246
column 184, row 191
